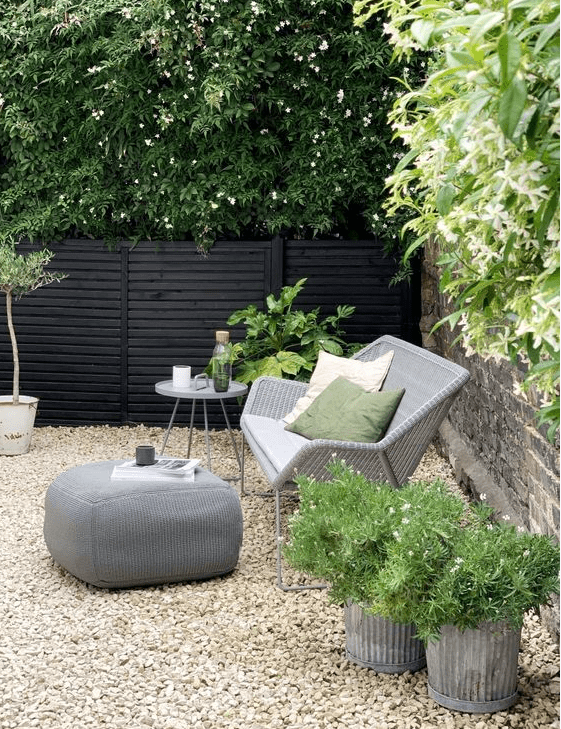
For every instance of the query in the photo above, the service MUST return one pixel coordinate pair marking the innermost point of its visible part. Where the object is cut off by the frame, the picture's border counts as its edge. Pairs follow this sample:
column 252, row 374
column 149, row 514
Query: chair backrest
column 428, row 379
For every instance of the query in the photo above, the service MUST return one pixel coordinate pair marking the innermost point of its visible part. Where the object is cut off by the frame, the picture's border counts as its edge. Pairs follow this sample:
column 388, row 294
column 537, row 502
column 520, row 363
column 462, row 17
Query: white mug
column 182, row 376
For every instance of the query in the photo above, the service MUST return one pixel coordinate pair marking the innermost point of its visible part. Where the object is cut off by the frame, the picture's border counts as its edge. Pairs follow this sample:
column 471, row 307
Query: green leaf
column 445, row 198
column 547, row 33
column 511, row 106
column 290, row 362
column 414, row 246
column 331, row 346
column 406, row 159
column 456, row 59
column 484, row 23
column 545, row 215
column 421, row 30
column 452, row 319
column 510, row 52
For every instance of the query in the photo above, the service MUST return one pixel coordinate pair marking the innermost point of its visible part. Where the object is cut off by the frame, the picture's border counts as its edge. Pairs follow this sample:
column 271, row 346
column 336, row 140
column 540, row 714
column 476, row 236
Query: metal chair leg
column 242, row 467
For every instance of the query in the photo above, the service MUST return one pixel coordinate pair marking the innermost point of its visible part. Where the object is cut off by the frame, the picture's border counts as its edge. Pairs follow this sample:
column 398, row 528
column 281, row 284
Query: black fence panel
column 357, row 273
column 93, row 346
column 69, row 338
column 177, row 299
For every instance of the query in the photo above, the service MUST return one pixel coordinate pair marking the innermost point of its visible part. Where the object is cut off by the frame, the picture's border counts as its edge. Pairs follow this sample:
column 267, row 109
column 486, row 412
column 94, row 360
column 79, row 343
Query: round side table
column 236, row 389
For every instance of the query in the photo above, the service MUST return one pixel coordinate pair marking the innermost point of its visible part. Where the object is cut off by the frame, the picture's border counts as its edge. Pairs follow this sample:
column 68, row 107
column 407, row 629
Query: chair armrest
column 272, row 397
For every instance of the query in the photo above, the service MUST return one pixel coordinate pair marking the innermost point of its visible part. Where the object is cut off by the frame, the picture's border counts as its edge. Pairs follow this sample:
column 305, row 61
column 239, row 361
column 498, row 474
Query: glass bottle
column 222, row 362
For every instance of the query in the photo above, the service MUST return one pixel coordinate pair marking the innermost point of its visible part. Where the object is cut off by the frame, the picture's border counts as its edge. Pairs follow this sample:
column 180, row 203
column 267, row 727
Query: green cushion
column 344, row 411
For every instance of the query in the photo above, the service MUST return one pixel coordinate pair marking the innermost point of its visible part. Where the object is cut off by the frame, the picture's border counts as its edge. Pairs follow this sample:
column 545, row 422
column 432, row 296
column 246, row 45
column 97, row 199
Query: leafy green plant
column 282, row 341
column 418, row 554
column 180, row 119
column 482, row 171
column 19, row 275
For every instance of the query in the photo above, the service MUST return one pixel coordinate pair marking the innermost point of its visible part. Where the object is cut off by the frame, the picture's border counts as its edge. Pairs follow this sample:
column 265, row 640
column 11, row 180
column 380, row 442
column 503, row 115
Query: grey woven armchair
column 431, row 383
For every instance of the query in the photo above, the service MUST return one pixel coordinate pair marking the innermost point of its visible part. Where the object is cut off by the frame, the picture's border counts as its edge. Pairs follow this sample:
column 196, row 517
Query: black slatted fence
column 93, row 346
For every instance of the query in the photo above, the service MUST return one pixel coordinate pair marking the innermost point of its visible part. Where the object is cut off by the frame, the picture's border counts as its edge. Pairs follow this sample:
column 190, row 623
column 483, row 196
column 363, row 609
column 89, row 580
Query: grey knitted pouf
column 125, row 533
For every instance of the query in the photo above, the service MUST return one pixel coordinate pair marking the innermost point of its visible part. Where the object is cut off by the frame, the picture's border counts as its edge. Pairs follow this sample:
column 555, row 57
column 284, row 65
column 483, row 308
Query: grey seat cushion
column 277, row 445
column 126, row 533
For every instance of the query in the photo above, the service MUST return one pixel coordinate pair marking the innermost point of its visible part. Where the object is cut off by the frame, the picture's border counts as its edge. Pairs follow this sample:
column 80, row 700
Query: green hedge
column 175, row 119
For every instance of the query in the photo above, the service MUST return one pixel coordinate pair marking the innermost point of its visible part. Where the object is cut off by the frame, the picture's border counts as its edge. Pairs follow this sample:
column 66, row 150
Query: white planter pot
column 16, row 424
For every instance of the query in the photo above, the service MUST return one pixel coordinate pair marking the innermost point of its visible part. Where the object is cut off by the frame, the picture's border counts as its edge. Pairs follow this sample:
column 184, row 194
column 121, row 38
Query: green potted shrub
column 19, row 275
column 469, row 604
column 342, row 533
column 285, row 342
column 422, row 556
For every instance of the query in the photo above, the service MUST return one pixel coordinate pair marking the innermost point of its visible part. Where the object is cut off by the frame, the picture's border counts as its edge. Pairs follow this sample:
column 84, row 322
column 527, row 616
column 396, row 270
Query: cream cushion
column 368, row 375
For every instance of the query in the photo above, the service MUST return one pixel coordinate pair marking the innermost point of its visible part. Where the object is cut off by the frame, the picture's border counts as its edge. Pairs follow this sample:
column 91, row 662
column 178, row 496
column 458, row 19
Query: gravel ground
column 231, row 652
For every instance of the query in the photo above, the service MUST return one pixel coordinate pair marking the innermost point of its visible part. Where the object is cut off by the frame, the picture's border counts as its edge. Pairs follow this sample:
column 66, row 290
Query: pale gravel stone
column 233, row 653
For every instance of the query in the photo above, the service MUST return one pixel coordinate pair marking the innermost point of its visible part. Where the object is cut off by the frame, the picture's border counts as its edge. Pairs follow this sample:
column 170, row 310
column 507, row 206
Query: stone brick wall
column 490, row 435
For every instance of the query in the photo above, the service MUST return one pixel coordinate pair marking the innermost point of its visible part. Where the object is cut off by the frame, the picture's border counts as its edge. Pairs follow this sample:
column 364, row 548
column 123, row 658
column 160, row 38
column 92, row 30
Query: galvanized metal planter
column 475, row 671
column 376, row 643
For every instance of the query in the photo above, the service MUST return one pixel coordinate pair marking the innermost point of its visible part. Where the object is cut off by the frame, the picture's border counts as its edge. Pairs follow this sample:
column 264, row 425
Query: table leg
column 170, row 426
column 232, row 437
column 207, row 439
column 191, row 428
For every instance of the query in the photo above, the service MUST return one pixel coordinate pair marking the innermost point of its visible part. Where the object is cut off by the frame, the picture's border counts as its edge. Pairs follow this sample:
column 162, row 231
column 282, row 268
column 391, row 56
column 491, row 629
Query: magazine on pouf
column 162, row 469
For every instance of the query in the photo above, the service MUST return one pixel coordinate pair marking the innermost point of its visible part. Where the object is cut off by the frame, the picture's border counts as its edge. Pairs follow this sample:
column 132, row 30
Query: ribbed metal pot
column 474, row 671
column 376, row 643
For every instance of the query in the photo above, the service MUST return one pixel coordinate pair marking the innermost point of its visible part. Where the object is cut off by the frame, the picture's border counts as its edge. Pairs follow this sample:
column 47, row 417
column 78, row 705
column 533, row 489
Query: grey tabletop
column 165, row 387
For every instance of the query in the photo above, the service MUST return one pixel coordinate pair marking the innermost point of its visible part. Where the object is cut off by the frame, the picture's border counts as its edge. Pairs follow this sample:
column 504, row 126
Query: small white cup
column 182, row 376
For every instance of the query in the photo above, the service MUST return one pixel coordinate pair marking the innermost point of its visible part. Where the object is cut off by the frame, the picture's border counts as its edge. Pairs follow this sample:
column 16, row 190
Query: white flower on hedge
column 97, row 113
column 340, row 95
column 324, row 45
column 232, row 200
